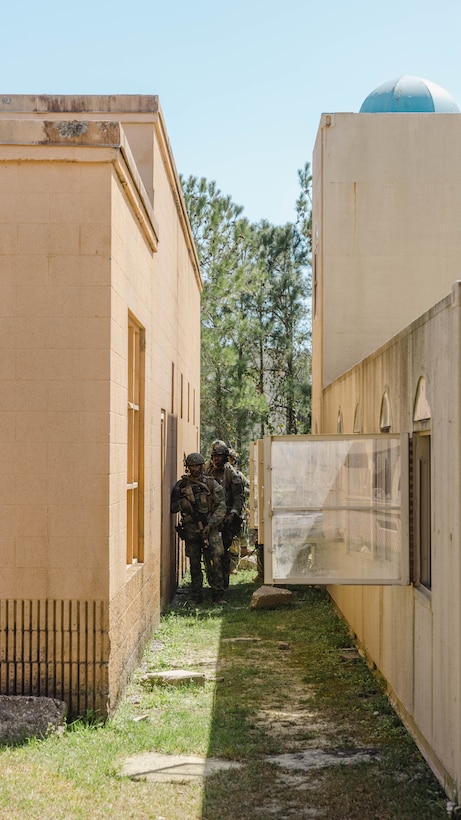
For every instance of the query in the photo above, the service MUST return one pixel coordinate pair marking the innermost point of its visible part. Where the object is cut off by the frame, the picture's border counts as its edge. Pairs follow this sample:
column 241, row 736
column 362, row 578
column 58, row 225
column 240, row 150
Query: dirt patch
column 23, row 717
column 295, row 705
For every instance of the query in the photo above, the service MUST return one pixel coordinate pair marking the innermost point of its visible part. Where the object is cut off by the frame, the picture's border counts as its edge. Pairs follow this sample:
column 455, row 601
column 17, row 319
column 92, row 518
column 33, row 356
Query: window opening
column 385, row 420
column 314, row 283
column 315, row 272
column 422, row 509
column 162, row 463
column 422, row 409
column 135, row 443
column 358, row 419
column 339, row 422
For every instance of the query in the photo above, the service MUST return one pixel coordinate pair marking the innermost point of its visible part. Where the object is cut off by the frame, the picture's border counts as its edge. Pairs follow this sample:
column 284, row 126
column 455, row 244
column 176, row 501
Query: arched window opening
column 385, row 419
column 339, row 422
column 358, row 419
column 422, row 408
column 422, row 521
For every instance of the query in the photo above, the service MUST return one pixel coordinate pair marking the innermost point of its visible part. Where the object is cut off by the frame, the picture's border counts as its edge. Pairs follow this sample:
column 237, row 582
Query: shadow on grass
column 289, row 681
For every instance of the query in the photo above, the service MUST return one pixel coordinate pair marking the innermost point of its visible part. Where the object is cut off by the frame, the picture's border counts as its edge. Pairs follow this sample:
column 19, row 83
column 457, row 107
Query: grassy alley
column 277, row 682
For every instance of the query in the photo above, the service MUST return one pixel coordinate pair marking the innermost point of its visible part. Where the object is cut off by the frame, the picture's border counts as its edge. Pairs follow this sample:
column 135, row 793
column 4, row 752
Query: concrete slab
column 173, row 677
column 173, row 768
column 156, row 767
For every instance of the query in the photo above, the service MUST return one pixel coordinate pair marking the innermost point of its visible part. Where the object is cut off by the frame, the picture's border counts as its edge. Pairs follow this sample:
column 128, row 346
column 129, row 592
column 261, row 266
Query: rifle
column 182, row 533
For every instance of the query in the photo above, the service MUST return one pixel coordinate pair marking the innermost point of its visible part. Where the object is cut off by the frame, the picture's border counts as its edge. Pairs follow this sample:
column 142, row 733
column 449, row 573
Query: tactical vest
column 198, row 495
column 226, row 478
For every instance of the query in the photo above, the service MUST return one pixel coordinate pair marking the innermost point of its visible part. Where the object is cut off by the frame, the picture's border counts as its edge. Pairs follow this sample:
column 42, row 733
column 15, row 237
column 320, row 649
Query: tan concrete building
column 386, row 240
column 99, row 388
column 387, row 358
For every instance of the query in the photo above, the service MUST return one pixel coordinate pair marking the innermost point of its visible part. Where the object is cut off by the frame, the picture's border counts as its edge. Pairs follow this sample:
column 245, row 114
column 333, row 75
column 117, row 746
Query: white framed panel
column 257, row 486
column 336, row 509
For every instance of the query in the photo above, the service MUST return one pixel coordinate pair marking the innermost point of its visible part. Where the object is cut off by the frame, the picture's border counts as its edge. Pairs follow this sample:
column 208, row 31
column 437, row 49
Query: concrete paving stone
column 172, row 677
column 180, row 768
column 173, row 768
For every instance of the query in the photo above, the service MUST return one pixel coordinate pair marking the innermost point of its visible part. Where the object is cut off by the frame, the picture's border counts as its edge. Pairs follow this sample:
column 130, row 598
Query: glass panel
column 336, row 510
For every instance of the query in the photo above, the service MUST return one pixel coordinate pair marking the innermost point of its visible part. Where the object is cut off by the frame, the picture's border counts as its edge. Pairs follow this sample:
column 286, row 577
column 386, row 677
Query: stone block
column 270, row 598
column 172, row 677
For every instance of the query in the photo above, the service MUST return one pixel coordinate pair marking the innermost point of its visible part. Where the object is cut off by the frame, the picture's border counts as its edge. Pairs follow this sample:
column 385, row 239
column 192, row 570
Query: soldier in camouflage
column 222, row 471
column 201, row 502
column 240, row 543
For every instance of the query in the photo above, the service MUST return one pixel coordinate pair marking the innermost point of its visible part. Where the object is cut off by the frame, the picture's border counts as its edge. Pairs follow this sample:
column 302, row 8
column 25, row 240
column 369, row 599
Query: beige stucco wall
column 412, row 635
column 55, row 325
column 163, row 295
column 92, row 228
column 386, row 200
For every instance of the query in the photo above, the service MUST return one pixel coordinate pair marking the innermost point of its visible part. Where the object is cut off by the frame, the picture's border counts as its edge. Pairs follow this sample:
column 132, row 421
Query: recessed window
column 315, row 276
column 135, row 444
column 358, row 419
column 339, row 422
column 422, row 509
column 385, row 418
column 422, row 409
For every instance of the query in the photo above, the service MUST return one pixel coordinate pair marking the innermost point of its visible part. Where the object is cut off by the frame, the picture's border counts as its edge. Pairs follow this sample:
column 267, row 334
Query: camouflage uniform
column 201, row 502
column 234, row 493
column 240, row 543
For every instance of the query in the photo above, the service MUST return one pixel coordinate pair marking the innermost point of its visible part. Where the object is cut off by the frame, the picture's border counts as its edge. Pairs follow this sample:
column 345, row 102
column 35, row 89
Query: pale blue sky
column 242, row 84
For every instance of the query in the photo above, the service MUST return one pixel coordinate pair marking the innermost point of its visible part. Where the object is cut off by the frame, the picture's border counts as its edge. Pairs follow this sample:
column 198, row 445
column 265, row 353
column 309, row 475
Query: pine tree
column 255, row 317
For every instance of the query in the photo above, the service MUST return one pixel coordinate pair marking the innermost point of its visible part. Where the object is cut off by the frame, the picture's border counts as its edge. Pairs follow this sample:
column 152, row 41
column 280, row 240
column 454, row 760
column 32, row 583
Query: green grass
column 283, row 687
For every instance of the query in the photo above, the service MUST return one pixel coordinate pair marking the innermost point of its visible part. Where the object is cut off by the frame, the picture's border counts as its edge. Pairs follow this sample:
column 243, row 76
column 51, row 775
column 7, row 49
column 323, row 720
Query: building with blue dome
column 409, row 95
column 390, row 195
column 386, row 348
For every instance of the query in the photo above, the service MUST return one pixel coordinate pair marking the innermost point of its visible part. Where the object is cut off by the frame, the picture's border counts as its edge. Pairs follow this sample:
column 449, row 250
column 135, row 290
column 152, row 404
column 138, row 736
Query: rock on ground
column 270, row 598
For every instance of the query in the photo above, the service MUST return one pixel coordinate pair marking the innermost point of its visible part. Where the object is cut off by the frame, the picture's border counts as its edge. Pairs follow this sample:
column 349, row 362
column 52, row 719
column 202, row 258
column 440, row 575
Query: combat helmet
column 194, row 459
column 219, row 448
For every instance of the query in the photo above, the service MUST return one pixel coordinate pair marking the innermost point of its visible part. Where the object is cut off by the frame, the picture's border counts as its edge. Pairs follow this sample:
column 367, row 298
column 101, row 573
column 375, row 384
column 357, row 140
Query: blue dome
column 409, row 95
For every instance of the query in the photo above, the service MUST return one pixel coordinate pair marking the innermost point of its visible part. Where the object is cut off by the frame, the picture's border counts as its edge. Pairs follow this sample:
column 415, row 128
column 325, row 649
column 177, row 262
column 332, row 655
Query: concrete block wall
column 411, row 633
column 80, row 251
